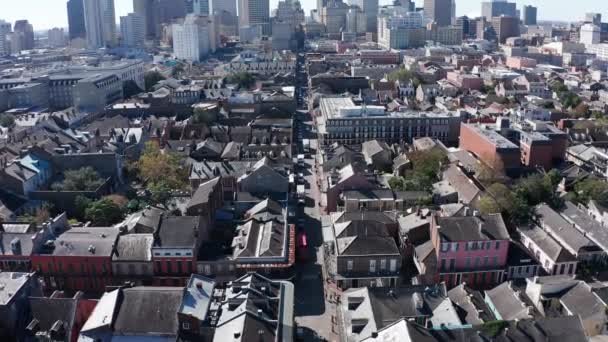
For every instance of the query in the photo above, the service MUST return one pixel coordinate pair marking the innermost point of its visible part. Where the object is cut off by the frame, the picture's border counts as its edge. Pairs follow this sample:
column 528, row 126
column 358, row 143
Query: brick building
column 79, row 259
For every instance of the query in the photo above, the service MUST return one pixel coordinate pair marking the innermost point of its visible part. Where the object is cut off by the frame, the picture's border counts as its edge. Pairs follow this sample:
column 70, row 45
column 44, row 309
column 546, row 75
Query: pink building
column 464, row 81
column 471, row 249
column 520, row 62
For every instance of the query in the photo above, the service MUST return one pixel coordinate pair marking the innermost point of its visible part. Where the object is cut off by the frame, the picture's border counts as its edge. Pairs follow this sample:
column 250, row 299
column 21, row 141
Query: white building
column 56, row 38
column 590, row 34
column 194, row 39
column 100, row 23
column 132, row 30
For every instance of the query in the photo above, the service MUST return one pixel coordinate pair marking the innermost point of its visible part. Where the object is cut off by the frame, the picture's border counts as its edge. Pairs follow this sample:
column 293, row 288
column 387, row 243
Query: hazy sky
column 44, row 14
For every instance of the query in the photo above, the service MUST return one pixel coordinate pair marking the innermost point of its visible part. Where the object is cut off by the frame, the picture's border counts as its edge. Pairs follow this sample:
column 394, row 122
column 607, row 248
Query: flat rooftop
column 492, row 136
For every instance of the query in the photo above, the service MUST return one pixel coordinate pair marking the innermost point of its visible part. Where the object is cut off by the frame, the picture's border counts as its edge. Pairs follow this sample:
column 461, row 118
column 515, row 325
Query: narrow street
column 314, row 313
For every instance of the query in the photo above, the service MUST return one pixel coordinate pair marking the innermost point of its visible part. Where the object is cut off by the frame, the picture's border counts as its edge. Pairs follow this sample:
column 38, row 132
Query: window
column 486, row 260
column 498, row 244
column 349, row 265
column 452, row 264
column 477, row 261
column 495, row 261
column 207, row 269
column 562, row 269
column 443, row 264
column 393, row 265
column 383, row 264
column 372, row 266
column 445, row 247
column 571, row 269
column 186, row 326
column 454, row 246
column 467, row 262
column 488, row 245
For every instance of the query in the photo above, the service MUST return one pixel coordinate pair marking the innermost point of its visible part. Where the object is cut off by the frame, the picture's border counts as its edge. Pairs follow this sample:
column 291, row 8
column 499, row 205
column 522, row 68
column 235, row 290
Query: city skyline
column 53, row 13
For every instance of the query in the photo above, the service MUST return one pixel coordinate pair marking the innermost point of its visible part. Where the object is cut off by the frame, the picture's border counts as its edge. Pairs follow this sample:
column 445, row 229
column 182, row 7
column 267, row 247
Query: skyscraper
column 505, row 27
column 76, row 19
column 439, row 11
column 132, row 30
column 370, row 10
column 100, row 23
column 198, row 7
column 530, row 13
column 56, row 37
column 194, row 38
column 255, row 14
column 26, row 30
column 224, row 5
column 146, row 9
column 496, row 8
column 594, row 18
column 5, row 29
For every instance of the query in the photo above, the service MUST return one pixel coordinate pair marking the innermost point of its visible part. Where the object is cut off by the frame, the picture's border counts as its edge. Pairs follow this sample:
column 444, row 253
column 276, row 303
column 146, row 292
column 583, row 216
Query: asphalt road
column 314, row 313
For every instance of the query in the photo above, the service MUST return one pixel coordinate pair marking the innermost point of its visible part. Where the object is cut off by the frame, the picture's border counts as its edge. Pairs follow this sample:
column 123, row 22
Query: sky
column 45, row 14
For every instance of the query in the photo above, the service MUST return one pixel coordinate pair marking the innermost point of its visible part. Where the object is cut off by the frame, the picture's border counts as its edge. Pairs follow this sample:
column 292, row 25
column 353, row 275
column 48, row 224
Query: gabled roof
column 472, row 228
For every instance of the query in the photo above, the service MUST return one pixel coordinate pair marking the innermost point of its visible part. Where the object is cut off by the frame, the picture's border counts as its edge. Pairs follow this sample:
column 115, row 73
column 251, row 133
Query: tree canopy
column 151, row 78
column 7, row 120
column 404, row 75
column 162, row 173
column 426, row 168
column 242, row 79
column 103, row 212
column 83, row 179
column 517, row 203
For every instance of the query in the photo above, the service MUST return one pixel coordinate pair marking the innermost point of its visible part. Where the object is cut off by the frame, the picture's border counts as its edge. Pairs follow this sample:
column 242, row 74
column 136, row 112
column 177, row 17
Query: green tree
column 83, row 179
column 396, row 183
column 403, row 75
column 590, row 189
column 155, row 165
column 130, row 89
column 151, row 78
column 103, row 213
column 203, row 115
column 7, row 120
column 81, row 203
column 178, row 70
column 242, row 79
column 160, row 193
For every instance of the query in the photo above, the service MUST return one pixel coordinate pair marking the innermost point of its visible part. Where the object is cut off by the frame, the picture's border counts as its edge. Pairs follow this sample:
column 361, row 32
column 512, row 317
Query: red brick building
column 79, row 259
column 490, row 147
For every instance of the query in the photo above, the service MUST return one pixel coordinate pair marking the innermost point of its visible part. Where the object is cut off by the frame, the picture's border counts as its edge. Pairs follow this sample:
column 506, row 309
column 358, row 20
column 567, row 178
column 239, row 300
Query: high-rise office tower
column 224, row 5
column 496, row 8
column 505, row 27
column 26, row 30
column 439, row 11
column 255, row 14
column 590, row 34
column 198, row 7
column 100, row 23
column 147, row 10
column 410, row 5
column 370, row 10
column 76, row 19
column 530, row 13
column 5, row 29
column 194, row 39
column 56, row 37
column 132, row 30
column 594, row 18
